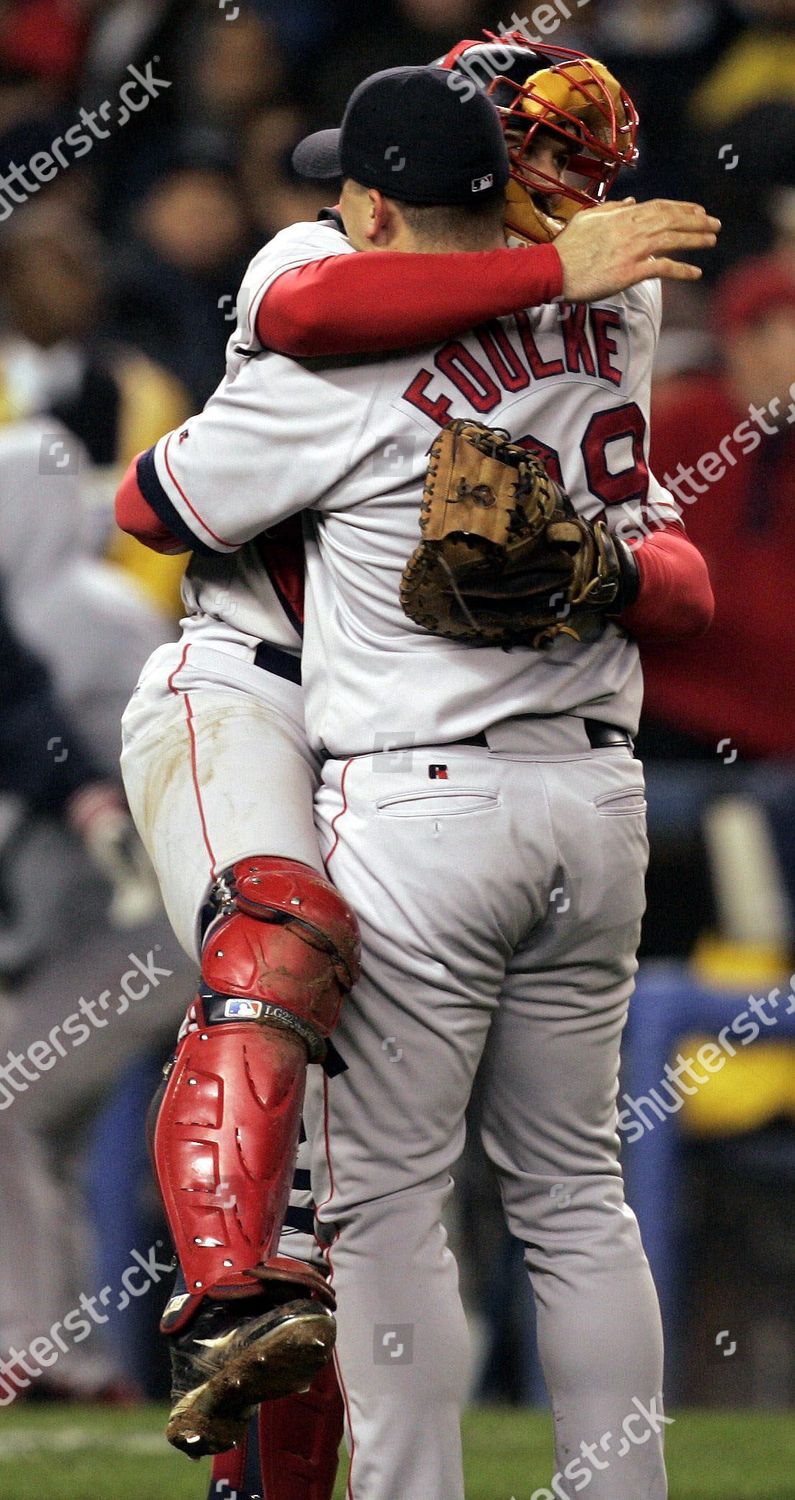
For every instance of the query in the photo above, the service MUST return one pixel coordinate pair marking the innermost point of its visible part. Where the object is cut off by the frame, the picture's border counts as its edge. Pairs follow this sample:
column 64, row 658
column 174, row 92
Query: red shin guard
column 292, row 1450
column 225, row 1145
column 274, row 970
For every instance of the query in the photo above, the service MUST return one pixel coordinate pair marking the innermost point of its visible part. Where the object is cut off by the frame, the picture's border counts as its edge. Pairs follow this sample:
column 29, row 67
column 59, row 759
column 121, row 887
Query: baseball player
column 173, row 482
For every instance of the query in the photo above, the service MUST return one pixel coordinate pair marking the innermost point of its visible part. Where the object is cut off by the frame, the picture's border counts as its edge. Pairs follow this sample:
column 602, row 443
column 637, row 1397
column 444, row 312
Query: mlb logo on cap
column 243, row 1010
column 483, row 184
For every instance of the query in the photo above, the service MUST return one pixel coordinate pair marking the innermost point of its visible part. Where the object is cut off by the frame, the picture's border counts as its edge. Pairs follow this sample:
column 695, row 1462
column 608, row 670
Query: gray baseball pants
column 500, row 895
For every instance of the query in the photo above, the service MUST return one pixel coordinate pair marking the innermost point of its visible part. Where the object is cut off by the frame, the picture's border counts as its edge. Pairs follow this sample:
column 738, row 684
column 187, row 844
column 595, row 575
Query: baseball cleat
column 223, row 1367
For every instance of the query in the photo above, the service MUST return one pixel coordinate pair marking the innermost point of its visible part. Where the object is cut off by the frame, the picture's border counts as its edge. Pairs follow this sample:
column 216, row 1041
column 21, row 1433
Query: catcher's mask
column 567, row 94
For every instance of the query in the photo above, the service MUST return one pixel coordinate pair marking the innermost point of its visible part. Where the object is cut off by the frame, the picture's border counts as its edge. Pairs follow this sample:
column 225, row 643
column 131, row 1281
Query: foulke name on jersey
column 591, row 341
column 346, row 442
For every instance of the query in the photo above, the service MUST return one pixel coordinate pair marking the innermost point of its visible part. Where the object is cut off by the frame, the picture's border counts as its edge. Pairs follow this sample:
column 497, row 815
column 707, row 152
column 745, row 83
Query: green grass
column 80, row 1453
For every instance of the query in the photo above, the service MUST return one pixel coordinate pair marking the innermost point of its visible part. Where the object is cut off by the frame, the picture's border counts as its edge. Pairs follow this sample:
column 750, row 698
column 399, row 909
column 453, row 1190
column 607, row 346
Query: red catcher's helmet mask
column 567, row 94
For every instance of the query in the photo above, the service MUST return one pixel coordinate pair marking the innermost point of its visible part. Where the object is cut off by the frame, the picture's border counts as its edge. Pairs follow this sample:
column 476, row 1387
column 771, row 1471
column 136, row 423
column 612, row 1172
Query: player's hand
column 605, row 250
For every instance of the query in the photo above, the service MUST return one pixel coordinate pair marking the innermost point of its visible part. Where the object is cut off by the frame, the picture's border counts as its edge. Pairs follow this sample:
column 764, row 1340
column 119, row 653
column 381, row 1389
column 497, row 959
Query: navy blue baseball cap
column 409, row 133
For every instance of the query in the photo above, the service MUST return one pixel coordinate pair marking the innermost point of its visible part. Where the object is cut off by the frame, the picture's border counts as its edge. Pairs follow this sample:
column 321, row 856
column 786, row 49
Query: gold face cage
column 580, row 103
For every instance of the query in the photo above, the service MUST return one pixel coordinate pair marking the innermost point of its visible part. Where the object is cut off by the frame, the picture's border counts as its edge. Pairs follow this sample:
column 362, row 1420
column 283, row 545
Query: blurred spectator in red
column 41, row 42
column 176, row 281
column 725, row 445
column 43, row 38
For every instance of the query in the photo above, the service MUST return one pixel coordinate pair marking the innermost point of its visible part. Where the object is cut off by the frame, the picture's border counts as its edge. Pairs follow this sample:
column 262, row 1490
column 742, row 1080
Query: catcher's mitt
column 505, row 560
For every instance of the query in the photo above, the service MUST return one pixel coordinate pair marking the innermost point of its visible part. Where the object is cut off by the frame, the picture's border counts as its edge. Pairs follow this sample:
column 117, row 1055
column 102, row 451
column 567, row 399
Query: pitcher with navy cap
column 411, row 136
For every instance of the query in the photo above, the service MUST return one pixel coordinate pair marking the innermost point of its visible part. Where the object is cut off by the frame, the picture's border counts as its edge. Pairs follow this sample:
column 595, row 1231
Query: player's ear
column 359, row 213
column 378, row 215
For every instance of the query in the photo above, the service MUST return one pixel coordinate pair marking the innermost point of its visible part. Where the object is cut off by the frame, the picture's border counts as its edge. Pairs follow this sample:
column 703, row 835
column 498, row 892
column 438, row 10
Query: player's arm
column 139, row 518
column 230, row 472
column 170, row 492
column 167, row 502
column 666, row 589
column 352, row 304
column 359, row 304
column 673, row 594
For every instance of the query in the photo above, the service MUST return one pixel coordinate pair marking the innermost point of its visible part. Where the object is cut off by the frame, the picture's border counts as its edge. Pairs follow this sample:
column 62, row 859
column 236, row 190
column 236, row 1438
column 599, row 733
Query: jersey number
column 606, row 427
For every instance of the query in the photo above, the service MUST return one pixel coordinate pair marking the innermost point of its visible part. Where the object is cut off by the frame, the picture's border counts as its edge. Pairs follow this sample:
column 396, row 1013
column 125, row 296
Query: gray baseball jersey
column 349, row 441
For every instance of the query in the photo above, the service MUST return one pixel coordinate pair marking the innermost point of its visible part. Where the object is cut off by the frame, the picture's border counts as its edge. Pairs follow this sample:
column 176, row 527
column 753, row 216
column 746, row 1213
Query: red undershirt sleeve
column 135, row 515
column 367, row 303
column 675, row 599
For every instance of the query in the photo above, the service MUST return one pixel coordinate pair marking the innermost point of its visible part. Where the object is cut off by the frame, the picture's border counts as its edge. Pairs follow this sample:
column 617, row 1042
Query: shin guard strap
column 297, row 1273
column 219, row 1008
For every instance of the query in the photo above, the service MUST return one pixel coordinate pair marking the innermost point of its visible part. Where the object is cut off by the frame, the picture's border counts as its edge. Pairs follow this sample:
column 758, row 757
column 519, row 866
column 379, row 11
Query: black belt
column 281, row 663
column 600, row 736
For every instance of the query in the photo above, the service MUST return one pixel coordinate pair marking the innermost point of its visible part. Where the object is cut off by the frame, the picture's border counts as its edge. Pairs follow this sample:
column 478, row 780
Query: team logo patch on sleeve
column 243, row 1010
column 438, row 773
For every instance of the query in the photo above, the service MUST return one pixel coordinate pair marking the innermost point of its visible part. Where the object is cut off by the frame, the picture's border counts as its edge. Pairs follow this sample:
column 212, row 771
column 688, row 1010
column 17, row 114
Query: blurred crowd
column 145, row 153
column 153, row 220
